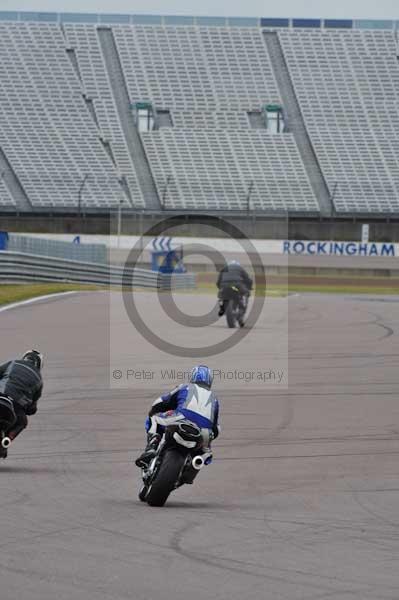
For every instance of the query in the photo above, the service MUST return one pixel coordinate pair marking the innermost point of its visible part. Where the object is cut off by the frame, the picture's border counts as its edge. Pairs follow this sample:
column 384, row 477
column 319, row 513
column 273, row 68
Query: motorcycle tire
column 166, row 478
column 230, row 314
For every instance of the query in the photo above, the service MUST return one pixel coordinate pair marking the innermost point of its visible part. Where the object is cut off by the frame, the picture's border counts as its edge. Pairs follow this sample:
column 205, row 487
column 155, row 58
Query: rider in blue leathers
column 194, row 402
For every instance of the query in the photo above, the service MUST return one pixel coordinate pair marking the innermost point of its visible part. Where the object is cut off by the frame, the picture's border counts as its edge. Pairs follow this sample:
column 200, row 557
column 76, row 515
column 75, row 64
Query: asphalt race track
column 301, row 501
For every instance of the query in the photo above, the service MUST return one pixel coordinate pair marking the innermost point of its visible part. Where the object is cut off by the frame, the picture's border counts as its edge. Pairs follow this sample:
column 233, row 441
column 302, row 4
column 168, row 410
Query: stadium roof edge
column 142, row 19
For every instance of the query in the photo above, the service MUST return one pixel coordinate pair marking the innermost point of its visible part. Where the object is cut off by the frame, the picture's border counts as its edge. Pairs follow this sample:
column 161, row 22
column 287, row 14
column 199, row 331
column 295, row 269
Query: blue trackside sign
column 339, row 248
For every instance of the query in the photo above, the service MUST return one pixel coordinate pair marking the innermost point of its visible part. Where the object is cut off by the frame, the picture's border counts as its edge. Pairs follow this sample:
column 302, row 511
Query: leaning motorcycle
column 7, row 420
column 235, row 305
column 180, row 456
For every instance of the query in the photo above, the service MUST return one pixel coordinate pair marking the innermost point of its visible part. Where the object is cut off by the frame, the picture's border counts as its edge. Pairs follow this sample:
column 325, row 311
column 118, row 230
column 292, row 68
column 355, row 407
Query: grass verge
column 10, row 293
column 17, row 292
column 276, row 290
column 343, row 289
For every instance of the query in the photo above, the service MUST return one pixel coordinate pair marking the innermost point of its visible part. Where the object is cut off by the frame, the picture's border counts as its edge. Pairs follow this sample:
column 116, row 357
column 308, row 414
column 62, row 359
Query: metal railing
column 18, row 267
column 93, row 253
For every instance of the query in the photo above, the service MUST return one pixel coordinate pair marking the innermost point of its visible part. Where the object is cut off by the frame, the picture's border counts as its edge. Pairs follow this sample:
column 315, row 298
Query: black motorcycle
column 234, row 305
column 7, row 420
column 179, row 458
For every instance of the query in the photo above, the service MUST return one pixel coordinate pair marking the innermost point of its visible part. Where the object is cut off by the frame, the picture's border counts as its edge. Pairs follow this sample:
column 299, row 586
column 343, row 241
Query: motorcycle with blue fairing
column 181, row 454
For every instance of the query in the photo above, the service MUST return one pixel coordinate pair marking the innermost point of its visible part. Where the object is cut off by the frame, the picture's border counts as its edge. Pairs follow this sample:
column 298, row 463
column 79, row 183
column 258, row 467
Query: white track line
column 33, row 300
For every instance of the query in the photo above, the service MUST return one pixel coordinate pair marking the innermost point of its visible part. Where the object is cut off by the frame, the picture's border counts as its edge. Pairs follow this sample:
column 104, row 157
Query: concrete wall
column 353, row 266
column 253, row 227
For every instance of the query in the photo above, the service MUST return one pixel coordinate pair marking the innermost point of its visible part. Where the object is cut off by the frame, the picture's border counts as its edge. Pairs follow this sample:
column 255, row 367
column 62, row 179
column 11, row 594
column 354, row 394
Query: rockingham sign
column 298, row 247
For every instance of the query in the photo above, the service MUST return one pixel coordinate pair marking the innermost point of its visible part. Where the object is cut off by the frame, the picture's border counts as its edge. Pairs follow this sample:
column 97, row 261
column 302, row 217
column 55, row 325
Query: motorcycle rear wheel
column 166, row 478
column 230, row 314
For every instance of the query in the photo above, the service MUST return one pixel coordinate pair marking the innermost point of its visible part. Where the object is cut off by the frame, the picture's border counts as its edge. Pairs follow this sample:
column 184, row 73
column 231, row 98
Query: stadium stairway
column 296, row 125
column 132, row 136
column 13, row 184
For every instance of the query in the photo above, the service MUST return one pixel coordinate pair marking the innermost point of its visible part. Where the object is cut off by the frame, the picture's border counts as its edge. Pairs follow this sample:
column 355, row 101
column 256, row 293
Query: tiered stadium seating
column 199, row 169
column 209, row 77
column 46, row 131
column 206, row 119
column 196, row 68
column 83, row 39
column 347, row 85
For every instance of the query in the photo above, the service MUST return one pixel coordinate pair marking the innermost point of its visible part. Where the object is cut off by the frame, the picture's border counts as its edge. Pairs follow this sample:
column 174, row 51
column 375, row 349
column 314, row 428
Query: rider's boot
column 150, row 450
column 221, row 309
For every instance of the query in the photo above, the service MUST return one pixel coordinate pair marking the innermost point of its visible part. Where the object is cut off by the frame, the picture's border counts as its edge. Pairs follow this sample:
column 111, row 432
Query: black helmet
column 35, row 357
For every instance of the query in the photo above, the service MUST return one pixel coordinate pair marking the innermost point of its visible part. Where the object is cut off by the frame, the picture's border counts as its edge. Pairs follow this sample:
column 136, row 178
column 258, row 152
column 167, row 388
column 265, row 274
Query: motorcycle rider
column 194, row 402
column 233, row 274
column 21, row 384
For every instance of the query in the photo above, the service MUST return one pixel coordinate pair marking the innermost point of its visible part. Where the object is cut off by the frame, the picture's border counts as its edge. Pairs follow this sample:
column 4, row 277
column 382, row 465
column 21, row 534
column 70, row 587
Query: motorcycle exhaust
column 5, row 442
column 198, row 463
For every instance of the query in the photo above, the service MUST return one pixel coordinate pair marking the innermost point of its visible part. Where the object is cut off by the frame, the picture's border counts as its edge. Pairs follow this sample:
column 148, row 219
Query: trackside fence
column 18, row 267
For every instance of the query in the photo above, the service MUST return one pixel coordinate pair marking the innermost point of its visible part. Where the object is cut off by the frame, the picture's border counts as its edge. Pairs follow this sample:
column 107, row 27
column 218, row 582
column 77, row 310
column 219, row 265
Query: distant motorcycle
column 180, row 456
column 235, row 305
column 7, row 420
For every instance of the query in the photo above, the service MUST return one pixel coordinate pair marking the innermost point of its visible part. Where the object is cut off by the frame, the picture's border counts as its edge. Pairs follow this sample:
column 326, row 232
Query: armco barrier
column 20, row 267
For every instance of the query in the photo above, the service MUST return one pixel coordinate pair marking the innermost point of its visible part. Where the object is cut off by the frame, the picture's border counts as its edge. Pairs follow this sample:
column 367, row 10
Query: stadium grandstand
column 276, row 116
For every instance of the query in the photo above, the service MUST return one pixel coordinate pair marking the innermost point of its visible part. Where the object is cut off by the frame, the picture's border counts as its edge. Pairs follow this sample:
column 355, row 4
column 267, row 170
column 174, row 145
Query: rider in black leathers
column 21, row 382
column 234, row 274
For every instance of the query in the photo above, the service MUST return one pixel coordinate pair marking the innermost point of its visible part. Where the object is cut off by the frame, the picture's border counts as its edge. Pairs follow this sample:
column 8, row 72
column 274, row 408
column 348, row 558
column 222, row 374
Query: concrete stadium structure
column 75, row 89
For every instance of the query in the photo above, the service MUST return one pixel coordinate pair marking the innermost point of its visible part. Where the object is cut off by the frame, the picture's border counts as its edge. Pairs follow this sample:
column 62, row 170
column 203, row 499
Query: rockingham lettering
column 339, row 248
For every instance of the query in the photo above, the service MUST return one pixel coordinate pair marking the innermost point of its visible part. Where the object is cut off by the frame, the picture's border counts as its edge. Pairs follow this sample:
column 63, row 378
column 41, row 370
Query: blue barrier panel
column 211, row 21
column 147, row 19
column 112, row 18
column 8, row 15
column 338, row 24
column 3, row 240
column 373, row 24
column 271, row 22
column 178, row 20
column 306, row 23
column 167, row 261
column 243, row 22
column 78, row 18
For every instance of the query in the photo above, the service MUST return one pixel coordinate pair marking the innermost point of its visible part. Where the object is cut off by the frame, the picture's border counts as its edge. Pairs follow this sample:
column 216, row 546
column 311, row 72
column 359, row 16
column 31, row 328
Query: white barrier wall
column 230, row 245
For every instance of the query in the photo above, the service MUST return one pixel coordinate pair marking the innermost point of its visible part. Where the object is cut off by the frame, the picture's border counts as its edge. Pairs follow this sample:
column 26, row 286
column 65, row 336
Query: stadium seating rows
column 218, row 167
column 197, row 67
column 347, row 85
column 207, row 119
column 83, row 39
column 46, row 132
column 208, row 78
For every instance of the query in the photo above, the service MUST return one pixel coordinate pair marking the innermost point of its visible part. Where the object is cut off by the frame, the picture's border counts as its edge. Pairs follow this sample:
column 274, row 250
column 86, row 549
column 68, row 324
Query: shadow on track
column 25, row 470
